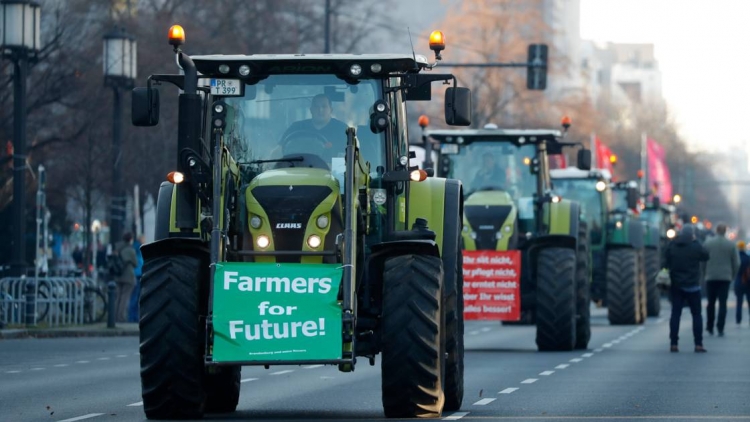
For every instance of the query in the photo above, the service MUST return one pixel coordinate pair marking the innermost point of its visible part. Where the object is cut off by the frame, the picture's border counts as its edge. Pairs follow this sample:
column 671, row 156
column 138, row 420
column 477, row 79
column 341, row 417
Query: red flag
column 658, row 171
column 603, row 156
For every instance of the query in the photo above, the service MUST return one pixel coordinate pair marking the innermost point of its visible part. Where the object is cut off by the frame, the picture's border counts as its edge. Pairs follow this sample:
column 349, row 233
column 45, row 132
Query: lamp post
column 119, row 74
column 19, row 42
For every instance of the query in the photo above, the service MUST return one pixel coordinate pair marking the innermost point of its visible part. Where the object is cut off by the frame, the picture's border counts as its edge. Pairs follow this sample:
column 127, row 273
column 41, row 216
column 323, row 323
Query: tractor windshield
column 495, row 165
column 584, row 192
column 301, row 121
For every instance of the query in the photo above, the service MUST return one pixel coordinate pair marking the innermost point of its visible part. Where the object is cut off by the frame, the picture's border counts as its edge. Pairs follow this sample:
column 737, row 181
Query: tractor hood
column 489, row 220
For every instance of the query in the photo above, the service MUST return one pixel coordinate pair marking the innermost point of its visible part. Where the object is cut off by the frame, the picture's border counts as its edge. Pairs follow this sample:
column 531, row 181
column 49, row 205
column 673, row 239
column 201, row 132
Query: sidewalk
column 89, row 330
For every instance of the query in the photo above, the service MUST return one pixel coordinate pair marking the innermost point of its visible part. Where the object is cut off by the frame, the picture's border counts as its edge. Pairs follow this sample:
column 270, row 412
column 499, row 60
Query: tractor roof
column 576, row 173
column 265, row 64
column 518, row 137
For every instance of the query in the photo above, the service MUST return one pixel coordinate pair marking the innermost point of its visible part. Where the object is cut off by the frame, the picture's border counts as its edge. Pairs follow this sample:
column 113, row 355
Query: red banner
column 658, row 171
column 603, row 157
column 492, row 285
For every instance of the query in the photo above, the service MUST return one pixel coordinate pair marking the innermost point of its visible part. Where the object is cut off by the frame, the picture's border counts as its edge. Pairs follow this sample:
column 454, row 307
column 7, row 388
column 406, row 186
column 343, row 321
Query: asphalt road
column 627, row 374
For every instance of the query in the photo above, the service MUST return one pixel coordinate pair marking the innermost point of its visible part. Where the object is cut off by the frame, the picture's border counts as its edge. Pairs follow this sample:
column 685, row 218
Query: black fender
column 453, row 222
column 175, row 246
column 163, row 211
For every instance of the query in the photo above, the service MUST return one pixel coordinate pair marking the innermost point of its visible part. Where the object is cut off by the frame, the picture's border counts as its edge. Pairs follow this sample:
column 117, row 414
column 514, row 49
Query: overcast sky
column 703, row 50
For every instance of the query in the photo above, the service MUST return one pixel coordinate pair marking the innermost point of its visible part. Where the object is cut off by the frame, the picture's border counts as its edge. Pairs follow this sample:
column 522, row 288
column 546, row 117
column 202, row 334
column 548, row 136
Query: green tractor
column 617, row 240
column 661, row 221
column 509, row 205
column 278, row 243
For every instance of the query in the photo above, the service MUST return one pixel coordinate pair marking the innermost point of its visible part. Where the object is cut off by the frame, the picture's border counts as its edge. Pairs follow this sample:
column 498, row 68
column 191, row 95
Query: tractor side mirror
column 584, row 159
column 458, row 106
column 144, row 109
column 632, row 198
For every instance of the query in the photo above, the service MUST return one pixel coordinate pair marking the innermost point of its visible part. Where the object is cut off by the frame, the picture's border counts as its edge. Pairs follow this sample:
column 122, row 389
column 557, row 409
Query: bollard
column 111, row 303
column 30, row 315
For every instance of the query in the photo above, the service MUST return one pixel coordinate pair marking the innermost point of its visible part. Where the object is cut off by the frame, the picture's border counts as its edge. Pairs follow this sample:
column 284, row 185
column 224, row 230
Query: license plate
column 449, row 148
column 226, row 87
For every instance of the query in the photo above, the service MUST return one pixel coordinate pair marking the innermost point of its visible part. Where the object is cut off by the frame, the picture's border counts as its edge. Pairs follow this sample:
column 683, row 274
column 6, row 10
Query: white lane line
column 607, row 345
column 312, row 366
column 455, row 416
column 102, row 358
column 599, row 350
column 61, row 365
column 121, row 356
column 576, row 360
column 473, row 333
column 281, row 372
column 248, row 380
column 562, row 366
column 546, row 373
column 37, row 369
column 485, row 329
column 508, row 390
column 484, row 402
column 587, row 355
column 82, row 361
column 140, row 403
column 80, row 418
column 529, row 381
column 12, row 372
column 616, row 341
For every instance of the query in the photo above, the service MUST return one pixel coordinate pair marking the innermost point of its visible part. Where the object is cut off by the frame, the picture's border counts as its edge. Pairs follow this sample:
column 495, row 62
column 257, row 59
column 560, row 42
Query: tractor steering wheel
column 320, row 142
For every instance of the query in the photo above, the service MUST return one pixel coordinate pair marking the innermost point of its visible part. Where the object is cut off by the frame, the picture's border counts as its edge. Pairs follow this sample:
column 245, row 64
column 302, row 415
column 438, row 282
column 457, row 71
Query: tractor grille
column 486, row 220
column 288, row 211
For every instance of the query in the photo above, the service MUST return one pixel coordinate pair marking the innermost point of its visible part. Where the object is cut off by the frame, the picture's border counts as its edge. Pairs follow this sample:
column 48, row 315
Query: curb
column 72, row 332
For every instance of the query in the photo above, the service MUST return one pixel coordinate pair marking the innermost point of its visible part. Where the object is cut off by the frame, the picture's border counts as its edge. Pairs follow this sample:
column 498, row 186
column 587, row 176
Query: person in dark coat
column 742, row 283
column 683, row 257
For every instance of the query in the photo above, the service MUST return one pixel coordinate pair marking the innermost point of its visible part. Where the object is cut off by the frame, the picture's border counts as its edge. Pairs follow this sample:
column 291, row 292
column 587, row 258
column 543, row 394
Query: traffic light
column 536, row 71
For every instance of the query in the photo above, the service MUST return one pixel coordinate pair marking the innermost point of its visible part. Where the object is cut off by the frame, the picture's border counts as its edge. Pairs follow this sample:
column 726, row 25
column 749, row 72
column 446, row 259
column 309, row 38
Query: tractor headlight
column 255, row 222
column 671, row 233
column 314, row 241
column 244, row 70
column 618, row 224
column 601, row 186
column 473, row 235
column 499, row 235
column 263, row 241
column 507, row 229
column 355, row 70
column 322, row 222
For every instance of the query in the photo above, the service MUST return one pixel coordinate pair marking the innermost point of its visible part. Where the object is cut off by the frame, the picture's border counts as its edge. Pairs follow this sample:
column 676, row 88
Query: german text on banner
column 492, row 285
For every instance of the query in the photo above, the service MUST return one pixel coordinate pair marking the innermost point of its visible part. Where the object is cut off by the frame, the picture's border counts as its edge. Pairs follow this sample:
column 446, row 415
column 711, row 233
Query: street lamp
column 119, row 73
column 19, row 42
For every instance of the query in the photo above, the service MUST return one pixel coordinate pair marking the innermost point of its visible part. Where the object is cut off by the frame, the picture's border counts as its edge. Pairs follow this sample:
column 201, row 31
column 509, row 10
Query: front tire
column 583, row 289
column 172, row 338
column 623, row 286
column 555, row 299
column 454, row 338
column 653, row 297
column 412, row 359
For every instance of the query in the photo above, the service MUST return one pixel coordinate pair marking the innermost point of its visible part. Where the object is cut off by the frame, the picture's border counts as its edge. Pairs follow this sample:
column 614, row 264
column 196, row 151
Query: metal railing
column 50, row 301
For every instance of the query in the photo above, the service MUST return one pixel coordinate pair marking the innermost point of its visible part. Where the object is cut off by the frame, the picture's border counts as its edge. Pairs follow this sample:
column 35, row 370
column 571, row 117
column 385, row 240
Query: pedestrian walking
column 135, row 296
column 721, row 268
column 126, row 278
column 683, row 257
column 742, row 281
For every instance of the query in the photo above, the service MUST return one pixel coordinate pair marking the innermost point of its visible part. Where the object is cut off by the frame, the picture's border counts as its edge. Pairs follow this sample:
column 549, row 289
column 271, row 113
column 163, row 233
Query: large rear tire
column 623, row 286
column 454, row 338
column 172, row 336
column 223, row 389
column 412, row 361
column 583, row 289
column 555, row 299
column 653, row 297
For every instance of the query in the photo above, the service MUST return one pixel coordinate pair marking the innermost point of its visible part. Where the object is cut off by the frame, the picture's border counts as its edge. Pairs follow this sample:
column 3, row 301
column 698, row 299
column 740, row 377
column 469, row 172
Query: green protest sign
column 267, row 311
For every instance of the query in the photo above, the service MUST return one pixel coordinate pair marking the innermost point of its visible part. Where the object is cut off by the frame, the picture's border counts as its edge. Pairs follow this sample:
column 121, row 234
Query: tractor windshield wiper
column 277, row 160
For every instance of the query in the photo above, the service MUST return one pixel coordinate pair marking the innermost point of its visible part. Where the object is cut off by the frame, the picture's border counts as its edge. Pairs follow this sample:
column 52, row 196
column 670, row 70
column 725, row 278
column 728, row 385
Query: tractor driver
column 489, row 176
column 321, row 128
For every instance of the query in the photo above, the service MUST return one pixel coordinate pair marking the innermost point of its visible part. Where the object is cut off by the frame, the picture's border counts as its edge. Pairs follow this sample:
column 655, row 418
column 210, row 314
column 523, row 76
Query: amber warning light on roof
column 437, row 41
column 423, row 121
column 176, row 35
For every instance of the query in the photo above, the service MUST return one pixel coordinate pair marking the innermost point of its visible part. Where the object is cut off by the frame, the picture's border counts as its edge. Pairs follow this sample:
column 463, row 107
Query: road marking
column 61, row 365
column 248, row 380
column 562, row 366
column 529, row 381
column 80, row 418
column 102, row 358
column 616, row 341
column 312, row 366
column 37, row 369
column 545, row 373
column 13, row 372
column 485, row 329
column 140, row 403
column 121, row 356
column 281, row 372
column 473, row 333
column 508, row 390
column 136, row 354
column 607, row 345
column 576, row 360
column 587, row 355
column 327, row 378
column 484, row 402
column 599, row 350
column 82, row 361
column 455, row 416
